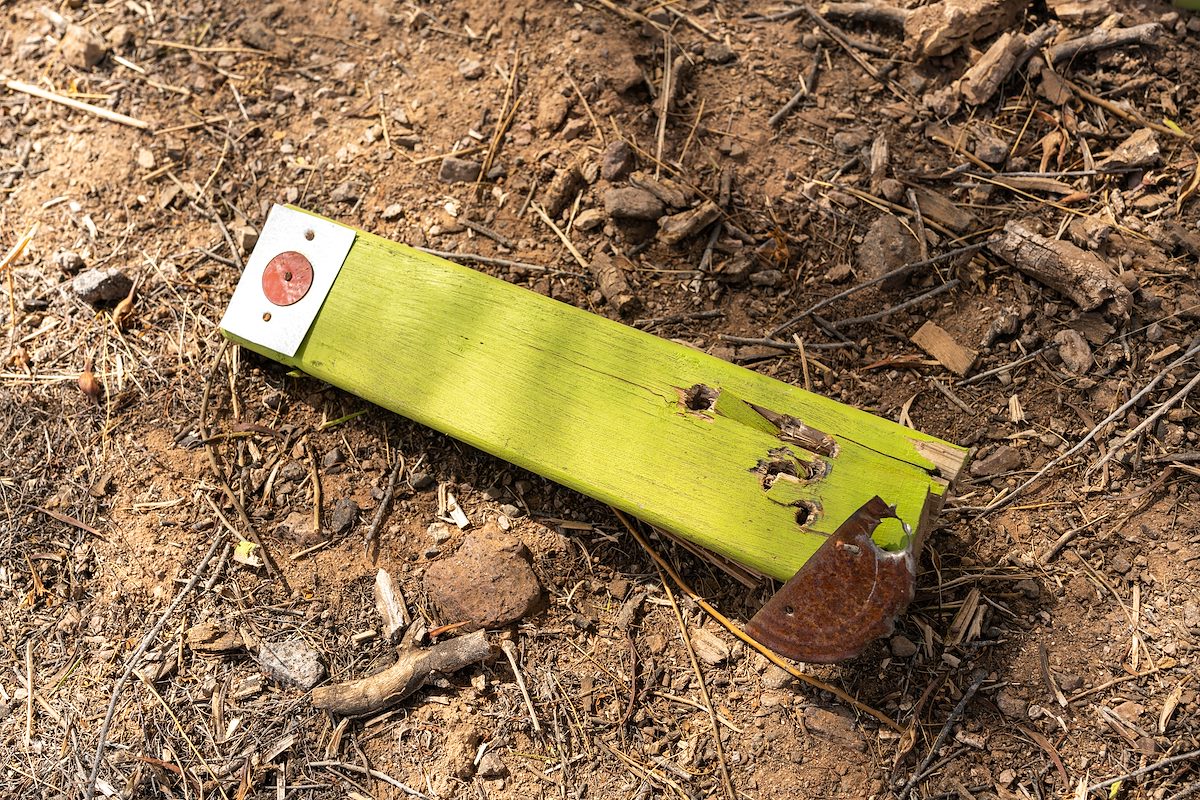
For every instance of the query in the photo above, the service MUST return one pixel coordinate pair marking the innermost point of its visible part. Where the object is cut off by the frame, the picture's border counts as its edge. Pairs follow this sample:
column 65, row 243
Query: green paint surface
column 600, row 407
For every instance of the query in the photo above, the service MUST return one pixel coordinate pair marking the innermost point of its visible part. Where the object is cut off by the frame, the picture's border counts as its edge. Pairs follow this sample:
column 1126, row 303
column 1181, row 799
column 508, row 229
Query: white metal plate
column 251, row 315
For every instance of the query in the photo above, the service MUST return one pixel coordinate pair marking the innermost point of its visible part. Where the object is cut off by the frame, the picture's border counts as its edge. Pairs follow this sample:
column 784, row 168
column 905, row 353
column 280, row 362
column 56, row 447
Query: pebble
column 488, row 583
column 470, row 69
column 776, row 677
column 343, row 516
column 1074, row 351
column 68, row 261
column 632, row 203
column 332, row 458
column 491, row 767
column 709, row 647
column 145, row 158
column 392, row 213
column 439, row 531
column 422, row 481
column 834, row 726
column 1191, row 615
column 990, row 148
column 767, row 278
column 903, row 647
column 81, row 48
column 617, row 161
column 101, row 285
column 459, row 170
column 552, row 112
column 119, row 37
column 719, row 53
column 887, row 245
column 1011, row 704
column 292, row 661
column 589, row 219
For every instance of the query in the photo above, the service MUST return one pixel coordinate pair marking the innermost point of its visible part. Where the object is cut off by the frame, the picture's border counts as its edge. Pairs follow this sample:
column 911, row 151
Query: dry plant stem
column 807, row 85
column 745, row 637
column 131, row 664
column 1104, row 39
column 510, row 652
column 579, row 259
column 381, row 511
column 1166, row 762
column 726, row 781
column 251, row 534
column 373, row 773
column 412, row 669
column 976, row 681
column 1170, row 403
column 887, row 312
column 1082, row 443
column 1123, row 113
column 852, row 47
column 895, row 273
column 79, row 105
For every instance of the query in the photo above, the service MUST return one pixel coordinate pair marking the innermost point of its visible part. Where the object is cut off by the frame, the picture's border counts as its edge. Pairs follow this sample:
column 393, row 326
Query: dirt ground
column 1077, row 599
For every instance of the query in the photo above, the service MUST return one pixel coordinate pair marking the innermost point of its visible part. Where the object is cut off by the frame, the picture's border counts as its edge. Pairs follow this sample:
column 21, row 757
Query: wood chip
column 942, row 346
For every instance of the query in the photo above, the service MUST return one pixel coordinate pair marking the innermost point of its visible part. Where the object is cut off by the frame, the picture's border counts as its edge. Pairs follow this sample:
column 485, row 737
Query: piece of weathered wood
column 738, row 463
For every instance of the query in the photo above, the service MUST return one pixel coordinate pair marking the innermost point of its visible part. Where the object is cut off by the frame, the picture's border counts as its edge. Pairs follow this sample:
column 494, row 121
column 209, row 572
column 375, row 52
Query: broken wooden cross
column 753, row 470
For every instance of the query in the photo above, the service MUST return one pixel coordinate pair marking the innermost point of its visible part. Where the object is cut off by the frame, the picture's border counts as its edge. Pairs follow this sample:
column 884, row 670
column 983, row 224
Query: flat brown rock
column 487, row 583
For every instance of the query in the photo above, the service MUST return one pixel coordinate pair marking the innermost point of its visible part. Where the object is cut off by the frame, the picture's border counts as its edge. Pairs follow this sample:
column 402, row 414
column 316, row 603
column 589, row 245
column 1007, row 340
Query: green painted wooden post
column 717, row 454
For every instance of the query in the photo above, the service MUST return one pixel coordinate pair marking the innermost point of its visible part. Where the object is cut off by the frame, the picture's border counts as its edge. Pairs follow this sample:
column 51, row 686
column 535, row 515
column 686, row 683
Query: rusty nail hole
column 803, row 515
column 308, row 234
column 287, row 276
column 267, row 316
column 789, row 610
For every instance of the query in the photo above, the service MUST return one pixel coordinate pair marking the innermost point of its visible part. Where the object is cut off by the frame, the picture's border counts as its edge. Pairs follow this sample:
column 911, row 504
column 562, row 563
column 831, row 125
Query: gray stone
column 392, row 213
column 332, row 458
column 589, row 219
column 1011, row 704
column 459, row 170
column 632, row 203
column 776, row 677
column 767, row 278
column 1074, row 351
column 719, row 53
column 887, row 245
column 470, row 69
column 709, row 647
column 617, row 161
column 101, row 285
column 344, row 514
column 81, row 47
column 68, row 261
column 491, row 767
column 903, row 647
column 292, row 661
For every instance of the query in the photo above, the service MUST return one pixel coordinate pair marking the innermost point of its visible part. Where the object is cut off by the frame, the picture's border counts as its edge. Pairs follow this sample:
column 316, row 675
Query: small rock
column 81, row 47
column 776, row 677
column 392, row 213
column 552, row 112
column 1120, row 564
column 1011, row 704
column 491, row 767
column 291, row 471
column 510, row 511
column 767, row 278
column 68, row 261
column 709, row 647
column 212, row 637
column 488, row 583
column 1074, row 351
column 632, row 203
column 439, row 531
column 101, row 285
column 989, row 147
column 903, row 647
column 292, row 661
column 245, row 237
column 1070, row 683
column 1029, row 588
column 589, row 219
column 1188, row 305
column 671, row 193
column 617, row 161
column 459, row 170
column 343, row 516
column 893, row 190
column 470, row 69
column 332, row 458
column 838, row 273
column 145, row 158
column 119, row 37
column 421, row 481
column 576, row 129
column 887, row 245
column 719, row 53
column 1129, row 711
column 1191, row 615
column 1002, row 459
column 850, row 141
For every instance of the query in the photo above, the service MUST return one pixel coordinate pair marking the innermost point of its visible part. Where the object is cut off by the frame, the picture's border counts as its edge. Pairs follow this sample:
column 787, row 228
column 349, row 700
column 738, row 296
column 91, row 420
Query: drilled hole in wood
column 309, row 234
column 700, row 398
column 267, row 316
column 805, row 513
column 789, row 610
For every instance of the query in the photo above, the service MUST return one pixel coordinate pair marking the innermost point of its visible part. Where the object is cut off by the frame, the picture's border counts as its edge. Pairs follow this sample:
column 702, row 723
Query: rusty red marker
column 287, row 278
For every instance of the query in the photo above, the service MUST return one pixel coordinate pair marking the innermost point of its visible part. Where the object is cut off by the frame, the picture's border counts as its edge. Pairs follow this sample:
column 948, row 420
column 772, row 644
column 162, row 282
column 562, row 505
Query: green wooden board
column 611, row 411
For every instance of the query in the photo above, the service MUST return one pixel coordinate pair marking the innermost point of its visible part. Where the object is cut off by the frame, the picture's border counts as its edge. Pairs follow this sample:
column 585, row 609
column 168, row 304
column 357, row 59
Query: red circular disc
column 287, row 278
